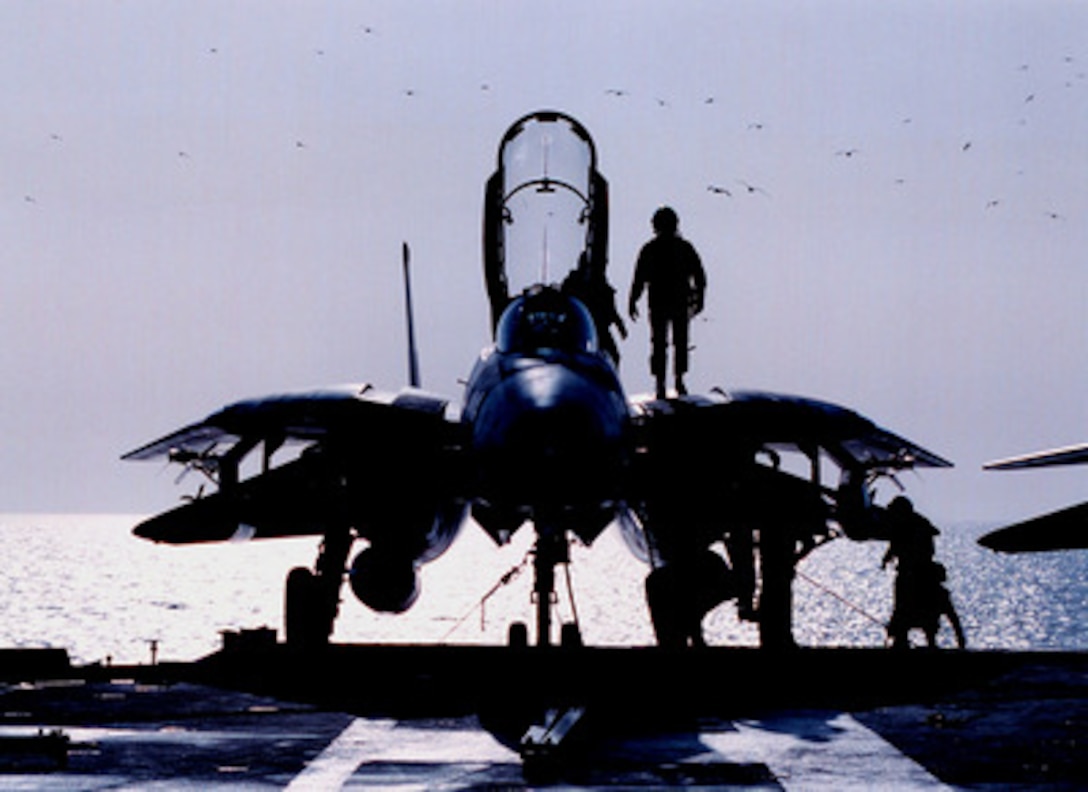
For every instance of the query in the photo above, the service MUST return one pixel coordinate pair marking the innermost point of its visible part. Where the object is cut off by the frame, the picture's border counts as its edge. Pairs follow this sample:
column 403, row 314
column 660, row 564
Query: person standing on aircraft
column 589, row 284
column 920, row 595
column 669, row 267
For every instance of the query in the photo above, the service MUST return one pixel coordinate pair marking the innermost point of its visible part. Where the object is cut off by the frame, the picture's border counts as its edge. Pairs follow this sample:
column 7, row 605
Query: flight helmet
column 665, row 221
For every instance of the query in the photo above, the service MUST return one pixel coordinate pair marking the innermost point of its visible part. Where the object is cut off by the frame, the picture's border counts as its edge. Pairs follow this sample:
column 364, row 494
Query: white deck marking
column 353, row 746
column 804, row 751
column 821, row 750
column 366, row 741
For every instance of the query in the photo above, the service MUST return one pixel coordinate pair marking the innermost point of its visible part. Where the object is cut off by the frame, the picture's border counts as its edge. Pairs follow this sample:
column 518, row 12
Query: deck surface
column 985, row 719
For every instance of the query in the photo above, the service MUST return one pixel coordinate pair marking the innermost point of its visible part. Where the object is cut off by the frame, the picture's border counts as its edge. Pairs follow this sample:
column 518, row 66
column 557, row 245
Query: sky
column 205, row 201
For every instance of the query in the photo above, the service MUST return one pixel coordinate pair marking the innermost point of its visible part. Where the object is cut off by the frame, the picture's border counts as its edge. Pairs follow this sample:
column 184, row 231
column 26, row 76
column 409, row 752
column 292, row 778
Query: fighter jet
column 1065, row 529
column 702, row 487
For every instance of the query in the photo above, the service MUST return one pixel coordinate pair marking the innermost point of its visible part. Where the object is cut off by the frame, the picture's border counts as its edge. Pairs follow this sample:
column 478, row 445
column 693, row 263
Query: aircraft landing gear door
column 546, row 208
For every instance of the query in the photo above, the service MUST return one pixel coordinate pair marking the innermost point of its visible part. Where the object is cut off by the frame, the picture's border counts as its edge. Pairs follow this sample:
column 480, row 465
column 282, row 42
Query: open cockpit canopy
column 546, row 208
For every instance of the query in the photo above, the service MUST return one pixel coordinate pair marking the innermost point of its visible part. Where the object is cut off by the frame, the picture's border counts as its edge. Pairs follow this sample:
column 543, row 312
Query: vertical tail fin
column 413, row 356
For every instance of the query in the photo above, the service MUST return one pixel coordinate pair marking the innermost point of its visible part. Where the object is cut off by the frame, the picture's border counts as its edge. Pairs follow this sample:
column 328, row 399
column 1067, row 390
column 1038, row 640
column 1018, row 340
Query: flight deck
column 445, row 717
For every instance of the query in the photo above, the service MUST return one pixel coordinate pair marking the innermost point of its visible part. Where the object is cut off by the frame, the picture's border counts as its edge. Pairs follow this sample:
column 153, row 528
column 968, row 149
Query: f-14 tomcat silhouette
column 544, row 436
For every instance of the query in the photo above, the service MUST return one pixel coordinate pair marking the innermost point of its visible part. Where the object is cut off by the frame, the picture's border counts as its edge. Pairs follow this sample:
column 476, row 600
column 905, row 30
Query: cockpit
column 544, row 319
column 546, row 208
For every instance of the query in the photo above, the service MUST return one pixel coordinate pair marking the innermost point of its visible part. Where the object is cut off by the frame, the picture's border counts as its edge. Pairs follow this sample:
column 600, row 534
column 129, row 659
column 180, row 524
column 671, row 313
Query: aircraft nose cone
column 550, row 434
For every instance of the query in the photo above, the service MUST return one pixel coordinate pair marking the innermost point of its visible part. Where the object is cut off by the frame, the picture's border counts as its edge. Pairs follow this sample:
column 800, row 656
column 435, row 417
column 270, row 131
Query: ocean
column 84, row 583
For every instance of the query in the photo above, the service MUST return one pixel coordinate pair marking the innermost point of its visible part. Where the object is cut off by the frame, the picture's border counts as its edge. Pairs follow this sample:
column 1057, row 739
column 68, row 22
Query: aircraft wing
column 843, row 433
column 713, row 463
column 1066, row 529
column 308, row 416
column 1070, row 455
column 380, row 439
column 769, row 420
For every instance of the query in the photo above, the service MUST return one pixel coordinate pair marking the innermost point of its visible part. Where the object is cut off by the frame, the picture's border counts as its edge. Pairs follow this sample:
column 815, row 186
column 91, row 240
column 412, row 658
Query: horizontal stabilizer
column 1061, row 530
column 1071, row 455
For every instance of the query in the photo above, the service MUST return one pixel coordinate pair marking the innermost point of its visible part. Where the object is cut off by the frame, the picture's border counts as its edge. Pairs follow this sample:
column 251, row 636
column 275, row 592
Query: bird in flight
column 752, row 189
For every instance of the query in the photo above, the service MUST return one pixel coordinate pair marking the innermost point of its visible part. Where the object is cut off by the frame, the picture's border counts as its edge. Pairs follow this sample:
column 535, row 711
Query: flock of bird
column 734, row 187
column 728, row 190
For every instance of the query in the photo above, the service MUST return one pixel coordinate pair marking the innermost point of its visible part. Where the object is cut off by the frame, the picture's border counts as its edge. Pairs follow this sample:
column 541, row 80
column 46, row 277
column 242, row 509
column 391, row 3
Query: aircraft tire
column 301, row 616
column 570, row 636
column 517, row 636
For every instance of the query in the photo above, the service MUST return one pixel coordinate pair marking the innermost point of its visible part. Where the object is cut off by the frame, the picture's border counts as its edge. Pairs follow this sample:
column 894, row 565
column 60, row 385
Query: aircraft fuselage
column 548, row 421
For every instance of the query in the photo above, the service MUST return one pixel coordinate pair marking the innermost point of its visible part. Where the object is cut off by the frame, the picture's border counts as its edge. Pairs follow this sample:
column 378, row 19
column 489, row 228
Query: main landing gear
column 312, row 598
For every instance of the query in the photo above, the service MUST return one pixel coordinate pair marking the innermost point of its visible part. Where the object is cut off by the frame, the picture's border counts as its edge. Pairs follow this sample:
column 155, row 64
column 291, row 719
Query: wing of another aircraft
column 1066, row 529
column 1070, row 455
